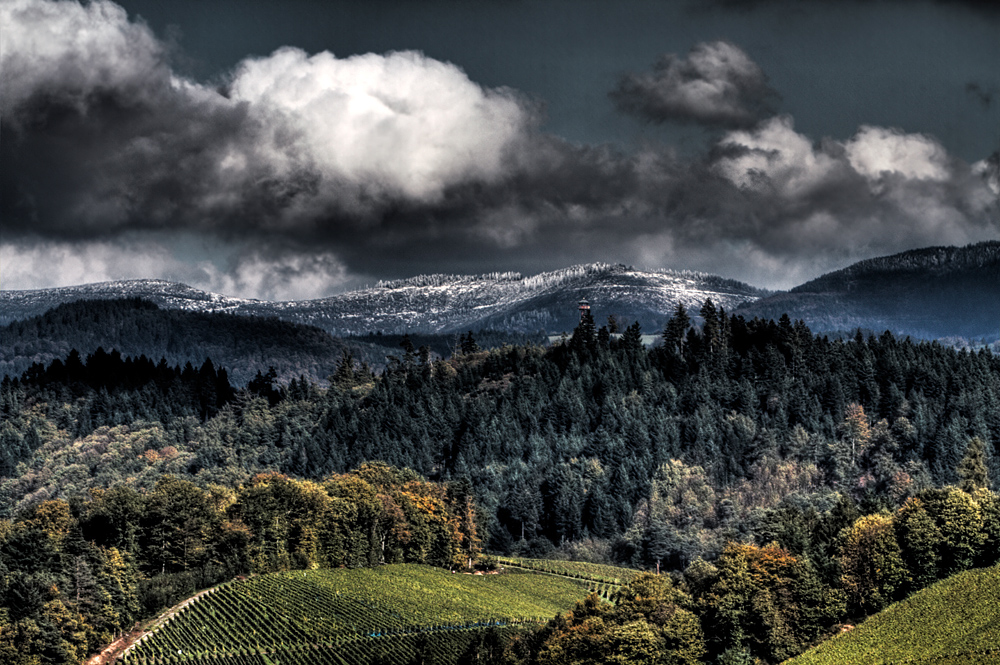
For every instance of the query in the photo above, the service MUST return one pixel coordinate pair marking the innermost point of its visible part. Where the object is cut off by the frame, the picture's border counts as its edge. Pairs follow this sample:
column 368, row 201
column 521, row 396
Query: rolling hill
column 436, row 304
column 244, row 345
column 931, row 293
column 352, row 616
column 135, row 327
column 953, row 622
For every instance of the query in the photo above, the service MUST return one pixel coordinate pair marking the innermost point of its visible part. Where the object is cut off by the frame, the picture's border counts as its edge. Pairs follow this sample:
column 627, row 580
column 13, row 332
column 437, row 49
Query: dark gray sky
column 766, row 141
column 836, row 64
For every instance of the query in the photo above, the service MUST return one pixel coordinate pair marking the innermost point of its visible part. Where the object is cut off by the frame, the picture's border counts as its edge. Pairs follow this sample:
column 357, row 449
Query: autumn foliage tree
column 874, row 573
column 648, row 624
column 918, row 536
column 762, row 602
column 75, row 574
column 855, row 434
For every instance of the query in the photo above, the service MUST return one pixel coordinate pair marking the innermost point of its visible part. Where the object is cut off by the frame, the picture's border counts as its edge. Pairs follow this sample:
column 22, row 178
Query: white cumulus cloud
column 247, row 273
column 874, row 151
column 777, row 156
column 402, row 123
column 291, row 138
column 48, row 264
column 880, row 191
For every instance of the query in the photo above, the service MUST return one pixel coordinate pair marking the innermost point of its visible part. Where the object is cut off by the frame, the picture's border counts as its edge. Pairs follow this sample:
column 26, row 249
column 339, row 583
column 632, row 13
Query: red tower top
column 584, row 307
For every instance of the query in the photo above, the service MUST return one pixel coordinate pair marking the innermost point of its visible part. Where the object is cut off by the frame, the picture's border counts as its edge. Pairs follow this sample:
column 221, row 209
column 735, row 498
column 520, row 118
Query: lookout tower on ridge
column 584, row 308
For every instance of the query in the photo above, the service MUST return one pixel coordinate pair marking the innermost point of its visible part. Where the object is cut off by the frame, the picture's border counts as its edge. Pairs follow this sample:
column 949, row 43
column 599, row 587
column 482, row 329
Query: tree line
column 729, row 434
column 74, row 574
column 767, row 603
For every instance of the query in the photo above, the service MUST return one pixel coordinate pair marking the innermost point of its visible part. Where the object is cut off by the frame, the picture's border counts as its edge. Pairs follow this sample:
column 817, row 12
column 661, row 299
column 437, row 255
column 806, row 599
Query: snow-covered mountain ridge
column 932, row 293
column 438, row 303
column 18, row 305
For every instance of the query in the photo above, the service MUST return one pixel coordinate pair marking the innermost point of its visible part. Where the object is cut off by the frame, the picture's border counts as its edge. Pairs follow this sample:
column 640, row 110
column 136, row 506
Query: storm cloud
column 306, row 173
column 717, row 84
column 291, row 135
column 985, row 6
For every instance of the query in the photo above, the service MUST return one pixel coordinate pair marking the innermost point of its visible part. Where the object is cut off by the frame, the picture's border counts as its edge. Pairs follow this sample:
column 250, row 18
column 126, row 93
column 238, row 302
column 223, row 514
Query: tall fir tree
column 972, row 471
column 676, row 329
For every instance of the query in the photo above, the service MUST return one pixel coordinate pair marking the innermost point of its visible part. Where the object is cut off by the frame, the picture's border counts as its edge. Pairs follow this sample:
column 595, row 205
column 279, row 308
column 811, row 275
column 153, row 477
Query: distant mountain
column 21, row 305
column 135, row 327
column 931, row 293
column 438, row 304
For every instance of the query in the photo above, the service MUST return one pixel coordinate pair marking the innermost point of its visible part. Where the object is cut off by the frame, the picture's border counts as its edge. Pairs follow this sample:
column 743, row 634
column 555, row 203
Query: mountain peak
column 439, row 303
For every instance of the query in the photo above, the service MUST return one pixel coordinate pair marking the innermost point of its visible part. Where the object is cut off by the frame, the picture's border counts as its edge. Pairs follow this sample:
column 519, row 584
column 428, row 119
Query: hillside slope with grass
column 953, row 622
column 346, row 611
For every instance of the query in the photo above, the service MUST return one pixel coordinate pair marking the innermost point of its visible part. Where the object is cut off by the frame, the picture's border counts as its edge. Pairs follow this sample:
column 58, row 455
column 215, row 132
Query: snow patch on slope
column 435, row 303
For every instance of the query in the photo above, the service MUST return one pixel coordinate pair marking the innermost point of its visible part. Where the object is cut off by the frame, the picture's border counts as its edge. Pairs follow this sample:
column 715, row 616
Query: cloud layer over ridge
column 311, row 169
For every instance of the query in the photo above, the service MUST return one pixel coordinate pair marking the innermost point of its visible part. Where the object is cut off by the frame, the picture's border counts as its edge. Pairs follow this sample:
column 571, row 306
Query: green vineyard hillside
column 433, row 647
column 389, row 614
column 953, row 622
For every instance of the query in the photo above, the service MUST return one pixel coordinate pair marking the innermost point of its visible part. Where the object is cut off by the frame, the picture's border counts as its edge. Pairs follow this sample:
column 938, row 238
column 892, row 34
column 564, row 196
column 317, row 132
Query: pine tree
column 673, row 334
column 344, row 378
column 468, row 343
column 632, row 339
column 972, row 470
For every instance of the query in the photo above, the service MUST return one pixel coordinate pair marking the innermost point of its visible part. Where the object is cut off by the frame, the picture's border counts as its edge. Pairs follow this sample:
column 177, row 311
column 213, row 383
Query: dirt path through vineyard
column 118, row 647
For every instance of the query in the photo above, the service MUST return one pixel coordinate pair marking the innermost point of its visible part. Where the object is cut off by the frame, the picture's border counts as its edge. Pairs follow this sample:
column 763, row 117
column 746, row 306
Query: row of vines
column 338, row 610
column 593, row 572
column 442, row 647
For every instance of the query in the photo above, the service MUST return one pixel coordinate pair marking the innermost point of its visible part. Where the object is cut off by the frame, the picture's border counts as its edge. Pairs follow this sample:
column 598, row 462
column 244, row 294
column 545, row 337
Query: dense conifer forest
column 243, row 344
column 789, row 482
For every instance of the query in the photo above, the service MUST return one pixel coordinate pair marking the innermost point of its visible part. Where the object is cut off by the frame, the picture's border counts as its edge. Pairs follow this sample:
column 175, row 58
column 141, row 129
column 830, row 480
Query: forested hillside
column 591, row 438
column 930, row 293
column 244, row 344
column 752, row 445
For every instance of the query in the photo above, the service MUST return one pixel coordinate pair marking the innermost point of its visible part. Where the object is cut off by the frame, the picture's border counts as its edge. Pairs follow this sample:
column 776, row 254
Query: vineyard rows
column 954, row 621
column 602, row 574
column 336, row 611
column 441, row 647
